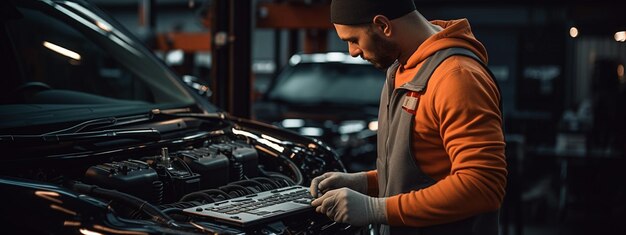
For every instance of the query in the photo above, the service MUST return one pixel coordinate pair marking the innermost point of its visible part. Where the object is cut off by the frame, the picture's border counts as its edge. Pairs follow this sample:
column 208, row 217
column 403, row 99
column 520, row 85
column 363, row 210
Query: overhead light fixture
column 620, row 36
column 311, row 131
column 373, row 126
column 295, row 59
column 352, row 126
column 335, row 56
column 292, row 123
column 573, row 32
column 61, row 50
column 318, row 58
column 175, row 57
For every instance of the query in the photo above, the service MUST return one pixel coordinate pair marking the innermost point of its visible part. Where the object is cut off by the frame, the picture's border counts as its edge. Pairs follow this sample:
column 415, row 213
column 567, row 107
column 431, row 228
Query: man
column 441, row 167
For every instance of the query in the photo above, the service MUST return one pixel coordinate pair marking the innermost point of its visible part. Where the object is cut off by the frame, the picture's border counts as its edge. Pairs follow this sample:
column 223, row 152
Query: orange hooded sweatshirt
column 457, row 140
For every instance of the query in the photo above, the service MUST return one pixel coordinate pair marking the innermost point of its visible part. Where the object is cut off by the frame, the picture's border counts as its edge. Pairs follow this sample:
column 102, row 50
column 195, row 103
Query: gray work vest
column 398, row 171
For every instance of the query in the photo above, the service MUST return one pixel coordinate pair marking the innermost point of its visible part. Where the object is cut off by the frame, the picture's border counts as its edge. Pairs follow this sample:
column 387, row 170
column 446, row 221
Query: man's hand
column 333, row 180
column 345, row 205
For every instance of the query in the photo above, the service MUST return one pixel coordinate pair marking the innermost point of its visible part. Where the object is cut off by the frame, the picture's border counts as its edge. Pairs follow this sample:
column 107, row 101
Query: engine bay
column 150, row 183
column 115, row 142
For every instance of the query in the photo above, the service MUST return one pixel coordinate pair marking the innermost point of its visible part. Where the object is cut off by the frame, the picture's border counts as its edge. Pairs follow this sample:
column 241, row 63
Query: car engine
column 151, row 182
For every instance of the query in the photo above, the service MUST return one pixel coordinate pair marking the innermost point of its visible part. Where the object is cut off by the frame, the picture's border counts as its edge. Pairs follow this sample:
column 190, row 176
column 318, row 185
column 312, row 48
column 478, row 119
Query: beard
column 383, row 54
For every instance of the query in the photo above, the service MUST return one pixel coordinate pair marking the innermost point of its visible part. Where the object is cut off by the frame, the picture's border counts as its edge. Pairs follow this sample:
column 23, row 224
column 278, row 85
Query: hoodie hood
column 455, row 33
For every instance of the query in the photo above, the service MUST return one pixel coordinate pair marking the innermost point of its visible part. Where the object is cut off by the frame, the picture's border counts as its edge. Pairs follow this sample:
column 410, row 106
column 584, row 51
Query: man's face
column 364, row 42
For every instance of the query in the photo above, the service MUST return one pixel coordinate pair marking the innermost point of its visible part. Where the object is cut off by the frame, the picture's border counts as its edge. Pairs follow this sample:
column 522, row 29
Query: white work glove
column 334, row 180
column 345, row 205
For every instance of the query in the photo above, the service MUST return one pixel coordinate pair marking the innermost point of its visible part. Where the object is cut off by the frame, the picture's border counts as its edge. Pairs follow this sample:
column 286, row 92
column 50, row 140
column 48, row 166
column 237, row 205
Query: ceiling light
column 373, row 125
column 573, row 32
column 292, row 123
column 295, row 59
column 620, row 36
column 311, row 131
column 175, row 57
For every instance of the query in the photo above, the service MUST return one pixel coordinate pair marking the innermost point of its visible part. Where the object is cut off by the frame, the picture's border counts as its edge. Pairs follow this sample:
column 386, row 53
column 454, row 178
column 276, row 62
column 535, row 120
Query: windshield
column 329, row 83
column 71, row 57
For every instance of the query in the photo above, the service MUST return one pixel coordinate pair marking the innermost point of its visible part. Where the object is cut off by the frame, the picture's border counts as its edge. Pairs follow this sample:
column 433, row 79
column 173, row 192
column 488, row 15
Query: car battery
column 181, row 183
column 212, row 166
column 132, row 177
column 243, row 158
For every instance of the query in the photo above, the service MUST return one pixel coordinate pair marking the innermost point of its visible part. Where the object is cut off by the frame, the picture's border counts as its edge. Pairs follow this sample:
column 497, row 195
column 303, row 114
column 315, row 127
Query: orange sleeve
column 465, row 103
column 372, row 183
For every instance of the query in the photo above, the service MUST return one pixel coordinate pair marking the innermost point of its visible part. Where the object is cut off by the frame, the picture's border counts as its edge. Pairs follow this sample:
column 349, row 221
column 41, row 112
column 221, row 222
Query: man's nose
column 354, row 50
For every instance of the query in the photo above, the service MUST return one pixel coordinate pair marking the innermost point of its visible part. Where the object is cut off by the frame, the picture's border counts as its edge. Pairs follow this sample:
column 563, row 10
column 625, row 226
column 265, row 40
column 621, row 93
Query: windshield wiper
column 102, row 123
column 215, row 116
column 108, row 122
column 78, row 133
column 141, row 134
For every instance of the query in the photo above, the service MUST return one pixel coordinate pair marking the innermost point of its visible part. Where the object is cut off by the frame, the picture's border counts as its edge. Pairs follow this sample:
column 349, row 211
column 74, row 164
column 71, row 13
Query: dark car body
column 98, row 136
column 330, row 96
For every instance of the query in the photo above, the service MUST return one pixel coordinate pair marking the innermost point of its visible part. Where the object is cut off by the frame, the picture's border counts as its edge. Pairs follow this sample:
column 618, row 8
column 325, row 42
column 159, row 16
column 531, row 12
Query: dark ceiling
column 597, row 15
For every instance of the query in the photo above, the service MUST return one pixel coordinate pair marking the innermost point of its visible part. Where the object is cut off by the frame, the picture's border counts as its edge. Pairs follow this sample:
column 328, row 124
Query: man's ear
column 383, row 24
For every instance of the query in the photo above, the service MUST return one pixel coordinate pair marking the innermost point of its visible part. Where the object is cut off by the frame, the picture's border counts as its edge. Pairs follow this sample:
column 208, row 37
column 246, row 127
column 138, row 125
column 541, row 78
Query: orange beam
column 293, row 16
column 188, row 42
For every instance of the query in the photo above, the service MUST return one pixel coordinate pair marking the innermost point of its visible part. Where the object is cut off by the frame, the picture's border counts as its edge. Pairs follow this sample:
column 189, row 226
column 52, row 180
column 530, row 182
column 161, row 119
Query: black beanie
column 354, row 12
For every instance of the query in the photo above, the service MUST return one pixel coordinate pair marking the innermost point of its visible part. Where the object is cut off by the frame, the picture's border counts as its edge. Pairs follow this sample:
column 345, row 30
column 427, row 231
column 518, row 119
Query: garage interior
column 542, row 53
column 559, row 65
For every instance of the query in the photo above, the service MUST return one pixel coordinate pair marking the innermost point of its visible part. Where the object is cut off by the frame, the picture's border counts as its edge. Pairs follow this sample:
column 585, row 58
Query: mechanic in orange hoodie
column 441, row 166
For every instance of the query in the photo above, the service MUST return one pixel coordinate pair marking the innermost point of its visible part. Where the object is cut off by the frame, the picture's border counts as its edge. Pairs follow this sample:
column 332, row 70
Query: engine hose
column 286, row 179
column 180, row 205
column 197, row 195
column 172, row 210
column 236, row 190
column 299, row 178
column 252, row 185
column 269, row 183
column 281, row 179
column 142, row 205
column 216, row 191
column 262, row 187
column 238, row 172
column 158, row 192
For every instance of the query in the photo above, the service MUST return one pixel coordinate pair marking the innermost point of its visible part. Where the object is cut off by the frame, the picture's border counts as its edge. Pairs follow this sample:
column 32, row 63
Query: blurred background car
column 330, row 96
